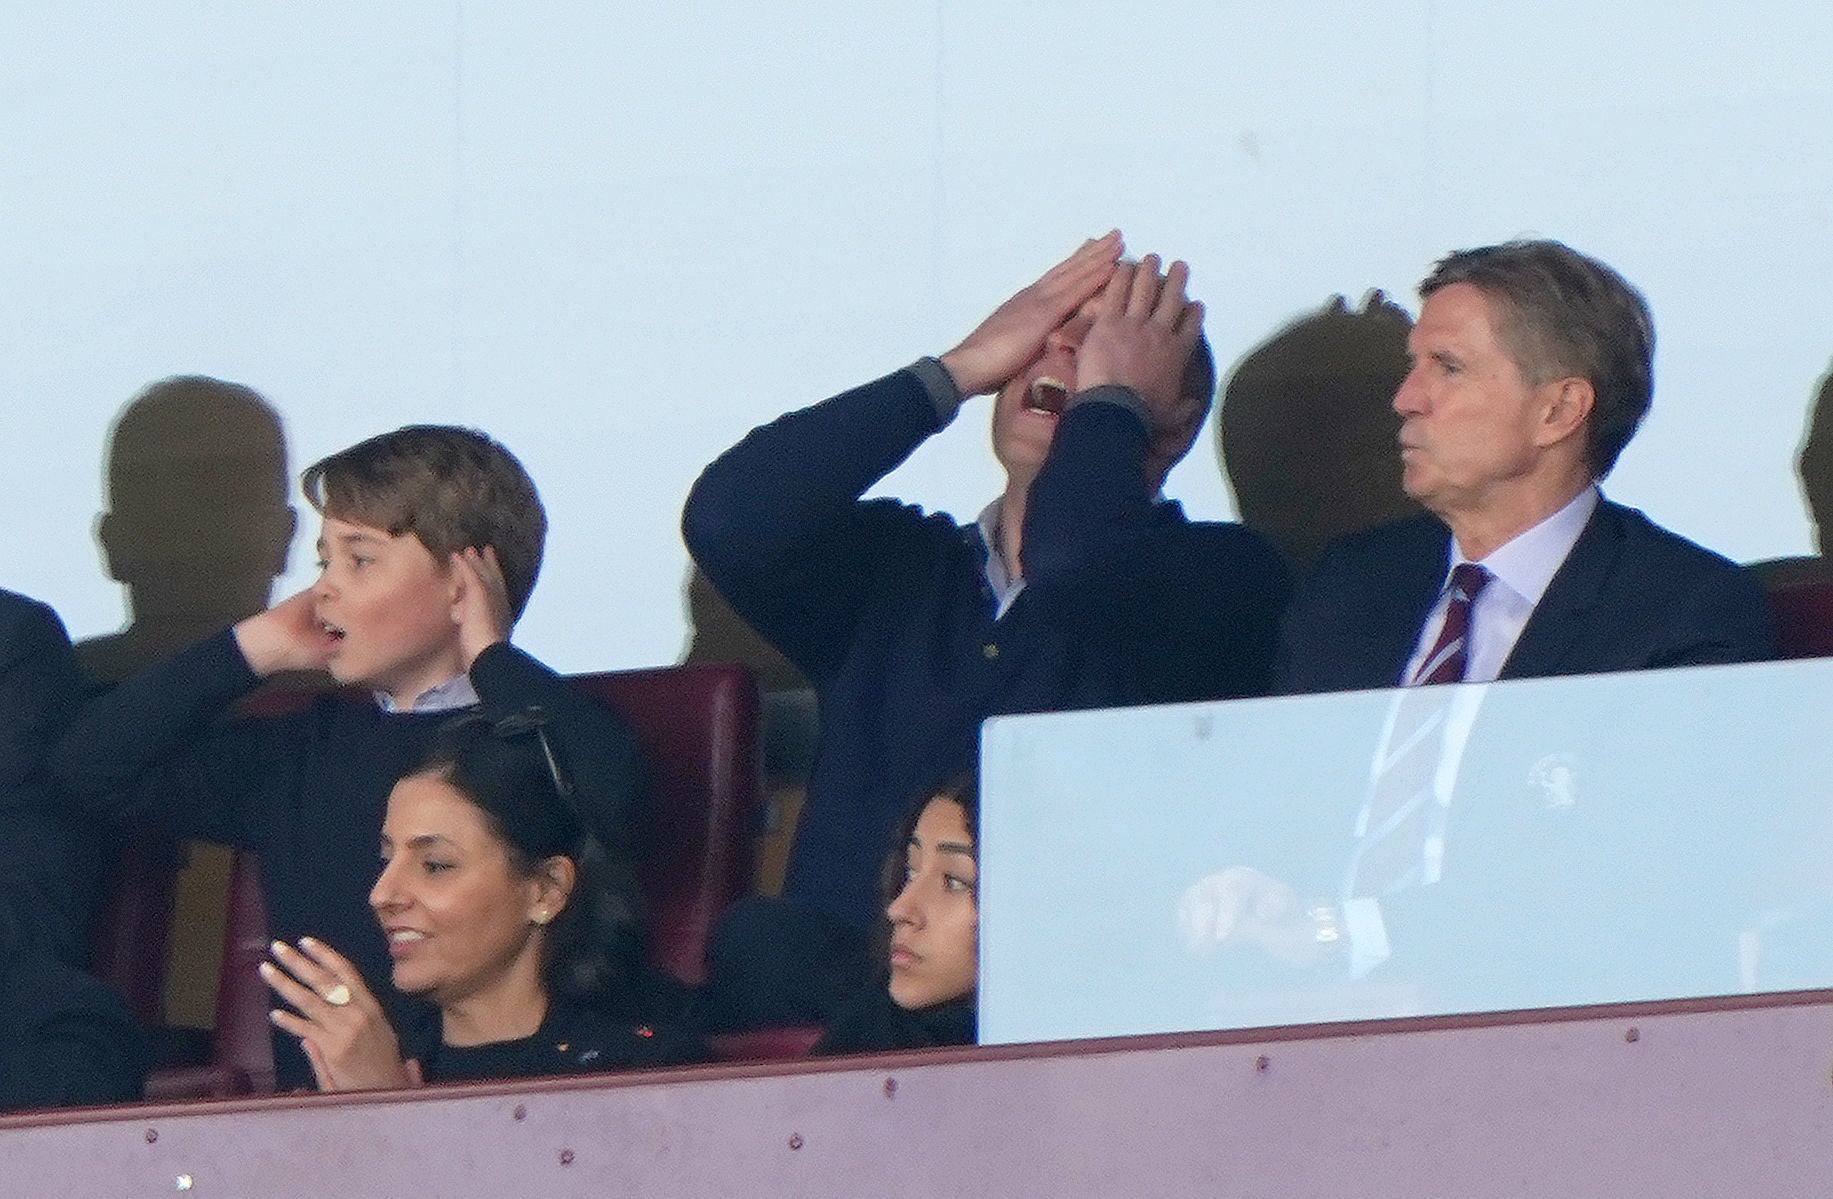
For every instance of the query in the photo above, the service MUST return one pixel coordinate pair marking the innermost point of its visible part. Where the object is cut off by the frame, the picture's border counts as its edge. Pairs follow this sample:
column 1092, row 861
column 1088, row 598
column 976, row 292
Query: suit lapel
column 1419, row 574
column 1562, row 617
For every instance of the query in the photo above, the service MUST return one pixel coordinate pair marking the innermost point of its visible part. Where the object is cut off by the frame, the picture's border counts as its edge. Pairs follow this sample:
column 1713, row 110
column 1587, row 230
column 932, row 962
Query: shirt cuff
column 1113, row 393
column 1367, row 933
column 940, row 385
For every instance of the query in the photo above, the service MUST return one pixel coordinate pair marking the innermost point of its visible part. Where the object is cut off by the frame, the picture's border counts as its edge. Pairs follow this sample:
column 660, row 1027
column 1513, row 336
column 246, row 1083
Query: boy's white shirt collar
column 449, row 696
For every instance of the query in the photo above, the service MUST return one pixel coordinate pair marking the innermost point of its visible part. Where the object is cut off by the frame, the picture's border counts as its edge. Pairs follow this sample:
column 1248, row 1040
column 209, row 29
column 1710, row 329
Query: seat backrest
column 1804, row 619
column 134, row 932
column 243, row 1039
column 698, row 727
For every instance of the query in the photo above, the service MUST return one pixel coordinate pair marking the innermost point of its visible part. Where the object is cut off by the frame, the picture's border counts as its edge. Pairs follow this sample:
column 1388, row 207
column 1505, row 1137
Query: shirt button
column 991, row 650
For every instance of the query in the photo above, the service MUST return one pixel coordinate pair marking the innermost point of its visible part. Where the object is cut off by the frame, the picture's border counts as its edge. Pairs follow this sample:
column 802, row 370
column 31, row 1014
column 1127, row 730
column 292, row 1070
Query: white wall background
column 617, row 236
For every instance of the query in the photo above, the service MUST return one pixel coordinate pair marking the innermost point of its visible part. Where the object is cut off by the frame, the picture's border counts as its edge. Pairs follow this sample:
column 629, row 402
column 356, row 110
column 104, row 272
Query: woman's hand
column 339, row 1023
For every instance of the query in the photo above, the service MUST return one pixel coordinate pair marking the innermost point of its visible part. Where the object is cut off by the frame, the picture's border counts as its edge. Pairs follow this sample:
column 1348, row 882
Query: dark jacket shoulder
column 1633, row 595
column 1630, row 596
column 872, row 1022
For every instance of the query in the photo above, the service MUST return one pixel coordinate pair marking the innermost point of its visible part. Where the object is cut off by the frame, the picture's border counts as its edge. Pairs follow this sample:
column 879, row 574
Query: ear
column 550, row 888
column 453, row 573
column 1565, row 407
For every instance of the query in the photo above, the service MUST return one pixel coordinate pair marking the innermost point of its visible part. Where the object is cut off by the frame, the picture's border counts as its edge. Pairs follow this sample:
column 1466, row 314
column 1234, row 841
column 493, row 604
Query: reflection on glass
column 1424, row 851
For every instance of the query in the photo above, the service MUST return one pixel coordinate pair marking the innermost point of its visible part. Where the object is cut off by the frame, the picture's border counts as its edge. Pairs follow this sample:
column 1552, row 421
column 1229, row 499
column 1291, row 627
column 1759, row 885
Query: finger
column 1190, row 324
column 1143, row 296
column 293, row 1024
column 292, row 991
column 321, row 1069
column 1090, row 255
column 1172, row 300
column 415, row 1077
column 306, row 969
column 326, row 982
column 1061, row 296
column 1083, row 271
column 342, row 969
column 1113, row 295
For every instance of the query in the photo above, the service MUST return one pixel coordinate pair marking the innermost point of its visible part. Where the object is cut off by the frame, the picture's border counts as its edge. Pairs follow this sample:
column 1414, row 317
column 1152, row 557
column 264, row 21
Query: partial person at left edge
column 432, row 539
column 65, row 1038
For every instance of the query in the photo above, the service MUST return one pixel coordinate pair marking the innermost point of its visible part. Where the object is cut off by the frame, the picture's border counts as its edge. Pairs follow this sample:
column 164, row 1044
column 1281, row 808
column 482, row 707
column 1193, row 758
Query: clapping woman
column 494, row 901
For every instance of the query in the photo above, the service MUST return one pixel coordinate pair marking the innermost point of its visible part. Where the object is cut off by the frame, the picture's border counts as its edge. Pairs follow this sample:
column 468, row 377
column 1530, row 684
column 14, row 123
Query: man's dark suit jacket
column 1542, row 901
column 50, row 860
column 1630, row 596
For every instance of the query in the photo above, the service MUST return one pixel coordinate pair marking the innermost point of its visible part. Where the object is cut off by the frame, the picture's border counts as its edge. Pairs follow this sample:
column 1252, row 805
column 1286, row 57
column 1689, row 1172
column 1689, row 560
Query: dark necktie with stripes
column 1450, row 655
column 1390, row 851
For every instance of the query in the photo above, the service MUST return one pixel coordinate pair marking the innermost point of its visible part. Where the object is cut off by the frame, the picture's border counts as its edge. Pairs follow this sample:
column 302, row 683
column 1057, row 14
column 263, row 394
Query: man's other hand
column 1242, row 906
column 1144, row 332
column 1012, row 338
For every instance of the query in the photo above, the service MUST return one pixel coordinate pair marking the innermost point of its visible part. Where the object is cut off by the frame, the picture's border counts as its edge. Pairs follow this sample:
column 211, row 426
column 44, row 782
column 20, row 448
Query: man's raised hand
column 1010, row 339
column 1144, row 332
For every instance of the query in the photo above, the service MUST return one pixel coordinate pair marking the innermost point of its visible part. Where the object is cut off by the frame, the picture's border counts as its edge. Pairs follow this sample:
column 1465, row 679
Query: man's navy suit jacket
column 50, row 859
column 1519, row 873
column 1630, row 596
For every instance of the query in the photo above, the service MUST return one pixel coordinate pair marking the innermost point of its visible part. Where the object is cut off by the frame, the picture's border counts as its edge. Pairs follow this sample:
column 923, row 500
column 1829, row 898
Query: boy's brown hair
column 453, row 488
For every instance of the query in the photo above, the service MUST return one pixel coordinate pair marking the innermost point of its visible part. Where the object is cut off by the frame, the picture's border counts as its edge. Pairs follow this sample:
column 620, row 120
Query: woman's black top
column 872, row 1022
column 574, row 1039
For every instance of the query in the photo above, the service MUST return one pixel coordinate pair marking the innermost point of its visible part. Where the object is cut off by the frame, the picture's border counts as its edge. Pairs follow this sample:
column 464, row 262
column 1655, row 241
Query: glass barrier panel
column 1423, row 851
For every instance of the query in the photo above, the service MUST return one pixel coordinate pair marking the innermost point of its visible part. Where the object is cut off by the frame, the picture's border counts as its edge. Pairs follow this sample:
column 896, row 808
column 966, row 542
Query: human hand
column 340, row 1024
column 481, row 610
column 1244, row 906
column 1144, row 332
column 1010, row 339
column 285, row 637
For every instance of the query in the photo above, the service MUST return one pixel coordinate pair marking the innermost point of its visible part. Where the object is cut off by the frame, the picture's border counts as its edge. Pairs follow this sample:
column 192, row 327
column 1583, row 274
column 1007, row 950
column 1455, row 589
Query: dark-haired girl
column 925, row 994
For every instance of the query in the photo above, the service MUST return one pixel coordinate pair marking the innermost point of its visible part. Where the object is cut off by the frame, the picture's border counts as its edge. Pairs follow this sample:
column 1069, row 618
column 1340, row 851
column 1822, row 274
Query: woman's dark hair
column 962, row 789
column 514, row 772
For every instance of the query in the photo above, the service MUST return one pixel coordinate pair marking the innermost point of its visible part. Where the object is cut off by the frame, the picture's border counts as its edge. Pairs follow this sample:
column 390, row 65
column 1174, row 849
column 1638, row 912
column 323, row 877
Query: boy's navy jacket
column 307, row 791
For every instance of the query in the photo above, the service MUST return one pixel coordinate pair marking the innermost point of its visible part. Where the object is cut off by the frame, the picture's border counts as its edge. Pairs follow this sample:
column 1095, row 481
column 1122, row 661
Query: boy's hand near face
column 482, row 608
column 287, row 636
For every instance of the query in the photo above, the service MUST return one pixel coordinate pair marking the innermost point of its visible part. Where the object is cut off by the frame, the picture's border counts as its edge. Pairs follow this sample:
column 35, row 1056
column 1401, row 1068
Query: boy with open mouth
column 431, row 542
